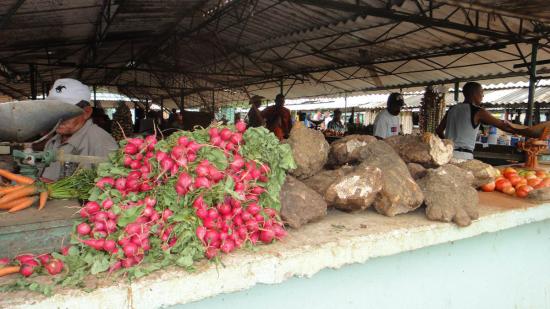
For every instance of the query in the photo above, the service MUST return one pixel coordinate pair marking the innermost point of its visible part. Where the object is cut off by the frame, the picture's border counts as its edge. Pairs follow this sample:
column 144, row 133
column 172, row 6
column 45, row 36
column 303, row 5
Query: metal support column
column 32, row 69
column 95, row 95
column 456, row 91
column 532, row 82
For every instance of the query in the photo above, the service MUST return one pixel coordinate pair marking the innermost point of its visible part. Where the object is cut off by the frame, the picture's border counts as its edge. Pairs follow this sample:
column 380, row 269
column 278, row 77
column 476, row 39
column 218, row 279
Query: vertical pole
column 532, row 82
column 162, row 111
column 456, row 92
column 32, row 69
column 182, row 103
column 95, row 95
column 345, row 106
column 146, row 107
column 281, row 91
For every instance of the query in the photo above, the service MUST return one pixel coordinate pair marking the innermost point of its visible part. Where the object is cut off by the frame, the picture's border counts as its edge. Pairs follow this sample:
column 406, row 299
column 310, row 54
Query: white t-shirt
column 386, row 124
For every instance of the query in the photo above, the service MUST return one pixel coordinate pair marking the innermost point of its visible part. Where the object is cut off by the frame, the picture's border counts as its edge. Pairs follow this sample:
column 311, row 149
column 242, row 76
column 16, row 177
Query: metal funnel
column 23, row 120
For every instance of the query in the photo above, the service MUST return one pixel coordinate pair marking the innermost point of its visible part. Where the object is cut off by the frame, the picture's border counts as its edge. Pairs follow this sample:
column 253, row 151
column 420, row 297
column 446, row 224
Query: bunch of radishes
column 224, row 220
column 30, row 264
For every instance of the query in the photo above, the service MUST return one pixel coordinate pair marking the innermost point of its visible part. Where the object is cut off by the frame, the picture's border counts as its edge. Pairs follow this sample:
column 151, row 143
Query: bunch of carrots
column 23, row 194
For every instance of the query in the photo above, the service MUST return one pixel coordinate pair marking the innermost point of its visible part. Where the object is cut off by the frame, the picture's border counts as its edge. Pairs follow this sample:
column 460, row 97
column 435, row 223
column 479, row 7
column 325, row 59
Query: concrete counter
column 338, row 240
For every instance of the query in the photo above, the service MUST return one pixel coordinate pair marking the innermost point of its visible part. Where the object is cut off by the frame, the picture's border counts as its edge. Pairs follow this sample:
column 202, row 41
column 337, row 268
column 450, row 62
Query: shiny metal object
column 23, row 120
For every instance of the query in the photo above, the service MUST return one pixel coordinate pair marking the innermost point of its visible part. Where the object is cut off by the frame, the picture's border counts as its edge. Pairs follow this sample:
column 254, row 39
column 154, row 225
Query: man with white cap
column 77, row 135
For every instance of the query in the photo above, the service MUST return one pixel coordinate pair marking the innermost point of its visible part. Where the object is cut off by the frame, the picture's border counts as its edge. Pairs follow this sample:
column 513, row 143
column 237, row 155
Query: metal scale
column 22, row 120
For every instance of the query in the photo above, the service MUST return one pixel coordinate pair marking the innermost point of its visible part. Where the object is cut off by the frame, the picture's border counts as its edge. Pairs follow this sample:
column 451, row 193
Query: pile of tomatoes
column 518, row 182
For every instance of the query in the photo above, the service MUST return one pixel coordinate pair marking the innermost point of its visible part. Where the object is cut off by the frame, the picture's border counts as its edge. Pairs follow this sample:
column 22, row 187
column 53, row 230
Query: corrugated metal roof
column 244, row 47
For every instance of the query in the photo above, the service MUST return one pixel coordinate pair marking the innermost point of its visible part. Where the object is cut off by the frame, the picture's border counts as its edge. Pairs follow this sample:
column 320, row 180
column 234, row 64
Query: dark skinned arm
column 484, row 117
column 440, row 131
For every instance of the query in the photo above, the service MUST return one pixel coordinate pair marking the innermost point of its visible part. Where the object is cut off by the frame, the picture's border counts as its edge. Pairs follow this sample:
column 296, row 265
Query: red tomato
column 509, row 190
column 490, row 187
column 534, row 182
column 509, row 169
column 522, row 182
column 545, row 182
column 508, row 175
column 501, row 184
column 540, row 174
column 523, row 191
column 514, row 179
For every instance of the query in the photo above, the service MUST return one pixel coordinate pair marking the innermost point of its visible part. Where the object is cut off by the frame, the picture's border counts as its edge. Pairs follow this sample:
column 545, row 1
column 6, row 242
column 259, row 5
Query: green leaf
column 185, row 261
column 100, row 265
column 215, row 156
column 129, row 216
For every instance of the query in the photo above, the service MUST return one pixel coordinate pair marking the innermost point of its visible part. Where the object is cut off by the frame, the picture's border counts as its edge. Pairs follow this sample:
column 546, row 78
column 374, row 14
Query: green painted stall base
column 33, row 231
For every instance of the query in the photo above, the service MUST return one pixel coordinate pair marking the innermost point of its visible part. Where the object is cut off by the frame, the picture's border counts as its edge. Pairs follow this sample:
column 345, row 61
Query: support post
column 532, row 82
column 456, row 91
column 162, row 112
column 32, row 69
column 95, row 95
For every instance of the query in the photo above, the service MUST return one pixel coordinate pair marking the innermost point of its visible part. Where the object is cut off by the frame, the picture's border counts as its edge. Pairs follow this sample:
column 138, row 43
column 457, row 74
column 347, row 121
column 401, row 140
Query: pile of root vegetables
column 177, row 200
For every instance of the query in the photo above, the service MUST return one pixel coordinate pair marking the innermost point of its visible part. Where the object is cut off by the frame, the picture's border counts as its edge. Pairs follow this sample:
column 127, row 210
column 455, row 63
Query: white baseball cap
column 70, row 91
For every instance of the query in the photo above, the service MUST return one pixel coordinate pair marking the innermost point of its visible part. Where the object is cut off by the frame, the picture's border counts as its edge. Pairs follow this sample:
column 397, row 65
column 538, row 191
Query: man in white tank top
column 387, row 122
column 461, row 122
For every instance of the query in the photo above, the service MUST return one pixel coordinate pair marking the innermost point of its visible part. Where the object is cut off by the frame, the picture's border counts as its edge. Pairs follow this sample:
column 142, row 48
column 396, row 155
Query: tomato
column 534, row 182
column 509, row 190
column 501, row 184
column 531, row 176
column 499, row 178
column 490, row 187
column 523, row 191
column 509, row 169
column 522, row 182
column 540, row 174
column 515, row 179
column 545, row 182
column 509, row 174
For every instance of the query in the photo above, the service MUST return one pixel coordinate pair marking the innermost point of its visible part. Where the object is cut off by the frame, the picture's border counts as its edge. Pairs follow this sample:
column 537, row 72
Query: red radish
column 239, row 187
column 84, row 213
column 161, row 156
column 178, row 151
column 211, row 236
column 216, row 141
column 225, row 134
column 263, row 178
column 128, row 262
column 145, row 245
column 110, row 226
column 279, row 231
column 270, row 212
column 4, row 261
column 199, row 202
column 144, row 187
column 98, row 234
column 105, row 181
column 228, row 246
column 111, row 215
column 154, row 217
column 131, row 149
column 145, row 169
column 65, row 250
column 202, row 213
column 213, row 213
column 135, row 165
column 149, row 154
column 134, row 175
column 139, row 157
column 238, row 220
column 166, row 164
column 201, row 232
column 181, row 190
column 252, row 225
column 184, row 180
column 130, row 249
column 246, row 216
column 191, row 157
column 101, row 216
column 236, row 138
column 44, row 258
column 240, row 126
column 92, row 207
column 116, row 266
column 83, row 229
column 242, row 232
column 202, row 170
column 183, row 141
column 148, row 211
column 167, row 213
column 107, row 204
column 224, row 209
column 94, row 243
column 132, row 184
column 253, row 208
column 254, row 237
column 237, row 164
column 213, row 131
column 120, row 184
column 109, row 245
column 127, row 161
column 214, row 174
column 266, row 236
column 202, row 182
column 26, row 270
column 211, row 252
column 151, row 141
column 193, row 147
column 258, row 190
column 54, row 266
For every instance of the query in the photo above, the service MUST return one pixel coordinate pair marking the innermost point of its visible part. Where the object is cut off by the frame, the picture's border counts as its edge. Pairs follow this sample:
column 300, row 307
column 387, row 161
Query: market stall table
column 340, row 239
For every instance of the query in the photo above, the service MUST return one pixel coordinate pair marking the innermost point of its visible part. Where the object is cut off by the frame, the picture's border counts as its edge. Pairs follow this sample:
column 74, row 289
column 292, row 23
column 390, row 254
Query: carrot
column 6, row 190
column 8, row 270
column 43, row 199
column 8, row 205
column 24, row 180
column 26, row 203
column 25, row 191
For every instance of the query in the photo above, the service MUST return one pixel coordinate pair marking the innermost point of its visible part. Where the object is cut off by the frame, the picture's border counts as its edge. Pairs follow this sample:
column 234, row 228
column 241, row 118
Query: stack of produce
column 122, row 125
column 518, row 182
column 432, row 110
column 193, row 195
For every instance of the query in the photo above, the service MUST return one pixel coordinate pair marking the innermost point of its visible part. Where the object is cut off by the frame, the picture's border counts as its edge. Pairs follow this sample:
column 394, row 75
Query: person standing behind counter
column 461, row 122
column 254, row 116
column 278, row 119
column 387, row 122
column 78, row 135
column 336, row 122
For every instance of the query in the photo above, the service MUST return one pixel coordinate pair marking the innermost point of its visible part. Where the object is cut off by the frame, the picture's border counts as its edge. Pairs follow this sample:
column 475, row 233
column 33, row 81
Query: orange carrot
column 8, row 205
column 6, row 190
column 26, row 203
column 25, row 191
column 24, row 180
column 43, row 199
column 8, row 270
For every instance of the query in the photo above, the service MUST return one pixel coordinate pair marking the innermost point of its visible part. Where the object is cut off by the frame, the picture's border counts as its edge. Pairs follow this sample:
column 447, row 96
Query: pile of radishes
column 29, row 264
column 140, row 205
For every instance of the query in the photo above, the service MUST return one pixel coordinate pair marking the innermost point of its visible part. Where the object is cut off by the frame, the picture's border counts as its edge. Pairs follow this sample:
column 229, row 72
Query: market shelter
column 342, row 239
